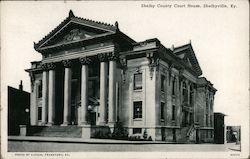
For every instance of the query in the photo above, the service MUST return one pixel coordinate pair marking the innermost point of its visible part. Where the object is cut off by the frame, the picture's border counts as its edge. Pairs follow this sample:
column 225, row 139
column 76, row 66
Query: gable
column 74, row 29
column 73, row 33
column 187, row 55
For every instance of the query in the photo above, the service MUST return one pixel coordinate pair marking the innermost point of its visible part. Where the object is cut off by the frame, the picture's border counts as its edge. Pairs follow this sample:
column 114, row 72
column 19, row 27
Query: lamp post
column 90, row 108
column 27, row 116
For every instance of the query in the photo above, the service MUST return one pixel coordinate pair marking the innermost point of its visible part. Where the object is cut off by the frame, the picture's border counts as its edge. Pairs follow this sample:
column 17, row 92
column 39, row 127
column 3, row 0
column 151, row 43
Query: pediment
column 72, row 35
column 187, row 55
column 74, row 29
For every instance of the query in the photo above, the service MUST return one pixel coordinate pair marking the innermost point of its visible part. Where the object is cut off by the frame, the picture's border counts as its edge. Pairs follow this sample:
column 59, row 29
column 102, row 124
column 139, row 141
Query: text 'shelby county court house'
column 93, row 75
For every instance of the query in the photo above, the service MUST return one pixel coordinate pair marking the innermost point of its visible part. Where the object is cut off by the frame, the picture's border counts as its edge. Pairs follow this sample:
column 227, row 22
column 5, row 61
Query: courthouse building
column 92, row 74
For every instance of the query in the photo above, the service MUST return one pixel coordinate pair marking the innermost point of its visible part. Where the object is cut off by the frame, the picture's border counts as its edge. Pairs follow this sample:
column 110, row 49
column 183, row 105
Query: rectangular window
column 137, row 81
column 206, row 119
column 173, row 87
column 174, row 135
column 137, row 110
column 162, row 110
column 39, row 113
column 136, row 130
column 162, row 83
column 173, row 112
column 39, row 89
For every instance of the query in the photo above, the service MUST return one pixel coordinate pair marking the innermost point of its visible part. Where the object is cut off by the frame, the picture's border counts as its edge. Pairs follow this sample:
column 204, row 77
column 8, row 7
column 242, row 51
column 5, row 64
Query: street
column 26, row 146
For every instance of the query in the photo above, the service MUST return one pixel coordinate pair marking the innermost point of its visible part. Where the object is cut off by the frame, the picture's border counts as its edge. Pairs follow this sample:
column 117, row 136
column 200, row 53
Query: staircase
column 55, row 131
column 188, row 134
column 184, row 138
column 191, row 134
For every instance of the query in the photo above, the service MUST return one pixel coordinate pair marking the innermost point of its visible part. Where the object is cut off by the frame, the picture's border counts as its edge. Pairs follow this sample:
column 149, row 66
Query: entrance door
column 92, row 118
column 74, row 101
column 197, row 136
column 163, row 134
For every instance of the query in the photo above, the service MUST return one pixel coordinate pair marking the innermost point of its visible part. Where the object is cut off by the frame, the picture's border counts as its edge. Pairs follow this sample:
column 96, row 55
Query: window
column 207, row 105
column 191, row 118
column 40, row 89
column 173, row 112
column 137, row 110
column 191, row 95
column 39, row 113
column 137, row 81
column 162, row 83
column 184, row 92
column 174, row 135
column 162, row 110
column 173, row 87
column 211, row 120
column 206, row 119
column 136, row 130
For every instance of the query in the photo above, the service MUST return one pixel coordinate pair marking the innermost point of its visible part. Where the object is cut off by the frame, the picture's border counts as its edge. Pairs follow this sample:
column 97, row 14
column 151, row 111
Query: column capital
column 51, row 66
column 84, row 60
column 111, row 56
column 67, row 63
column 44, row 67
column 103, row 57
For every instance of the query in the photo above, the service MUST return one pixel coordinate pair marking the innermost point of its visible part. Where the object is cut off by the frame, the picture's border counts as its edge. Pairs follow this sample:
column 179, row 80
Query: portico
column 107, row 90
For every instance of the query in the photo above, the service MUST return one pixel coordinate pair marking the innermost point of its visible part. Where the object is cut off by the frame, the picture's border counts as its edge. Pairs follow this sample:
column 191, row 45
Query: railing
column 190, row 130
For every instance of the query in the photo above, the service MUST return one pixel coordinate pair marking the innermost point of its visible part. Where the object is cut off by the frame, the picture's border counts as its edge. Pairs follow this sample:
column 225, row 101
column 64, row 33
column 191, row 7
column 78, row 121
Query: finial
column 71, row 14
column 190, row 41
column 21, row 85
column 172, row 47
column 117, row 25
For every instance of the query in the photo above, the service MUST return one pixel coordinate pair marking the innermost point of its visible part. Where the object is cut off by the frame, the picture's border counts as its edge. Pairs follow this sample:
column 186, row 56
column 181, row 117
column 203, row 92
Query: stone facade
column 93, row 74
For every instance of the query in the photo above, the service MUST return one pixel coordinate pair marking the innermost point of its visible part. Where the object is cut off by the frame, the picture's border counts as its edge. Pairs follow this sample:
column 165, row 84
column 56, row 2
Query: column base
column 84, row 124
column 50, row 124
column 103, row 123
column 43, row 123
column 65, row 124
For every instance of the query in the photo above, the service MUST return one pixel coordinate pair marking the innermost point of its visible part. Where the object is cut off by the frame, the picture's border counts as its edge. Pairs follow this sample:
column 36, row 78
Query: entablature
column 79, row 53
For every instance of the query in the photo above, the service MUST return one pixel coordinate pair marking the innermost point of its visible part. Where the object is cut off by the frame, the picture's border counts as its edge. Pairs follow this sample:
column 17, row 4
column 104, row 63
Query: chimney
column 21, row 85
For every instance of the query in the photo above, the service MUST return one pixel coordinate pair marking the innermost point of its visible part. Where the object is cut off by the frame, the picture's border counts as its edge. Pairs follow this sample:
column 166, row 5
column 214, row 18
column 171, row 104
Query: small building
column 92, row 74
column 233, row 134
column 219, row 128
column 18, row 109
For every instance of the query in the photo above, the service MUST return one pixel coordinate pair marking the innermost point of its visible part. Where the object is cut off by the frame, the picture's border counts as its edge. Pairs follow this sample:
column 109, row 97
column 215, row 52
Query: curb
column 79, row 140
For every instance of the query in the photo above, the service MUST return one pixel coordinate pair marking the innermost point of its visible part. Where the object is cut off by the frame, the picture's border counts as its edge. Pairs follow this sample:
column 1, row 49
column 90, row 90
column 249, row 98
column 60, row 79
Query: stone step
column 56, row 131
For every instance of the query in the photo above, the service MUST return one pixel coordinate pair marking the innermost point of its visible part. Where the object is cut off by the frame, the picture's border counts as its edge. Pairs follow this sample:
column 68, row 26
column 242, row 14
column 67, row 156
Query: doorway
column 92, row 118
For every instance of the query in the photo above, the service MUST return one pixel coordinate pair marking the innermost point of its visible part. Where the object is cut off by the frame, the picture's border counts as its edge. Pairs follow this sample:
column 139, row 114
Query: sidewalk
column 81, row 140
column 233, row 146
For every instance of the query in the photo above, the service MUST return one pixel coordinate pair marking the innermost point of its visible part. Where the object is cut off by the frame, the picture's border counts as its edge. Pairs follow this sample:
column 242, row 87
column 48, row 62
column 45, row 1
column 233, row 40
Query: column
column 67, row 93
column 84, row 90
column 45, row 96
column 178, row 101
column 51, row 108
column 112, row 92
column 103, row 89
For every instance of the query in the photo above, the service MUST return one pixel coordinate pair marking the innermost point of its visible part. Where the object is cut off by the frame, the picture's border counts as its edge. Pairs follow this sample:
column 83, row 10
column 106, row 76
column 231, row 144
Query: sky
column 219, row 38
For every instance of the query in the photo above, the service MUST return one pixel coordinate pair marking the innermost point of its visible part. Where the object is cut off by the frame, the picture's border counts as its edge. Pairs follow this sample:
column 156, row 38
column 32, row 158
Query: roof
column 219, row 113
column 106, row 28
column 187, row 51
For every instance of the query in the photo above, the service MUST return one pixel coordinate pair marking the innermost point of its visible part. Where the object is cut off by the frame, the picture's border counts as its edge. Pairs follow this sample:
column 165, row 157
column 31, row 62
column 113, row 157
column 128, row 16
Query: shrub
column 119, row 132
